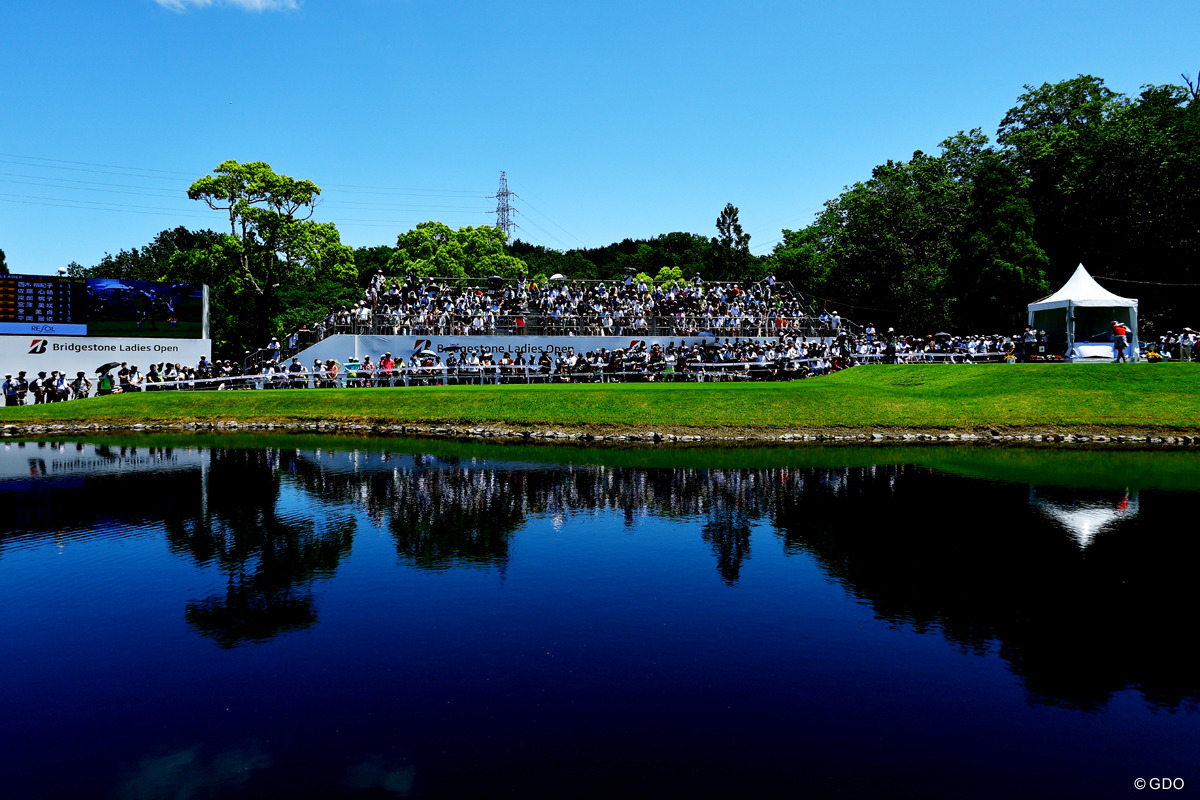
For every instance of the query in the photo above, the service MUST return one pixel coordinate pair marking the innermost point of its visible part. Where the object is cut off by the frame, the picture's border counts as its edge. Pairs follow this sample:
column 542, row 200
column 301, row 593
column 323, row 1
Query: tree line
column 969, row 236
column 961, row 238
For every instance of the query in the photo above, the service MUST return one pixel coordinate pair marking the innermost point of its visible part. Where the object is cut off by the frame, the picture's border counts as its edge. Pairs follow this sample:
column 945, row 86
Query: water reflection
column 270, row 556
column 440, row 513
column 76, row 491
column 1084, row 512
column 193, row 772
column 1078, row 619
column 1058, row 581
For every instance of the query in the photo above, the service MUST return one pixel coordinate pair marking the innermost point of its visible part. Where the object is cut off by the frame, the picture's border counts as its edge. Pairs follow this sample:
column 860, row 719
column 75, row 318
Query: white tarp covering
column 1082, row 312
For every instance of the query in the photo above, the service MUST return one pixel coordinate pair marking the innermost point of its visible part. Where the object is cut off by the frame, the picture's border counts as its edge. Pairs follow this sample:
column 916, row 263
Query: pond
column 316, row 617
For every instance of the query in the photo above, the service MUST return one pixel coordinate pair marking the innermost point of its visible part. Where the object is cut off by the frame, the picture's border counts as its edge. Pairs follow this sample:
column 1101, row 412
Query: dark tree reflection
column 1083, row 593
column 270, row 560
column 977, row 563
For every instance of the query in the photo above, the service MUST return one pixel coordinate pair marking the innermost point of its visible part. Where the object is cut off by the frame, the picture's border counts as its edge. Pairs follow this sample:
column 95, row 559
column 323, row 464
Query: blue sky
column 612, row 120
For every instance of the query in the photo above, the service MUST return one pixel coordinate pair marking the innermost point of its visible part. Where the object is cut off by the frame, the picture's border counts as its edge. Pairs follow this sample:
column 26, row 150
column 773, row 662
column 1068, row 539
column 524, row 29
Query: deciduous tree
column 433, row 248
column 272, row 239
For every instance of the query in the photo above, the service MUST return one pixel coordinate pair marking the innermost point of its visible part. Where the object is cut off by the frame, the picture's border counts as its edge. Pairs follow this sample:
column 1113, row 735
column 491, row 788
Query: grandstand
column 413, row 314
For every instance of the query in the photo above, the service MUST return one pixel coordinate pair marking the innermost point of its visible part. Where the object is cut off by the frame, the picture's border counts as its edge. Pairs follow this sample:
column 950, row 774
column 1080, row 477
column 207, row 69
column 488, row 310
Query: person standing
column 11, row 390
column 60, row 388
column 1120, row 334
column 104, row 386
column 39, row 385
column 1187, row 341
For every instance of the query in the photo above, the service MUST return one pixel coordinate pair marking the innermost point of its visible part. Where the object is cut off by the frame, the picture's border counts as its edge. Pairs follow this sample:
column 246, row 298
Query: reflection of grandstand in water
column 985, row 565
column 69, row 490
column 991, row 567
column 445, row 512
column 1085, row 513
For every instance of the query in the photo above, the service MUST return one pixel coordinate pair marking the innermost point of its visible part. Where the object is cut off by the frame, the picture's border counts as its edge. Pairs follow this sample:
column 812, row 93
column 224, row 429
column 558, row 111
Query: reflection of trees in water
column 440, row 514
column 452, row 512
column 979, row 564
column 972, row 561
column 727, row 531
column 270, row 560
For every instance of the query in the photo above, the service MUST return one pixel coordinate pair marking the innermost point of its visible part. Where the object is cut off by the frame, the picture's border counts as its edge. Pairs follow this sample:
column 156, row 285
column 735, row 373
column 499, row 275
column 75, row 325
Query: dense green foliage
column 968, row 237
column 274, row 270
column 963, row 238
column 432, row 248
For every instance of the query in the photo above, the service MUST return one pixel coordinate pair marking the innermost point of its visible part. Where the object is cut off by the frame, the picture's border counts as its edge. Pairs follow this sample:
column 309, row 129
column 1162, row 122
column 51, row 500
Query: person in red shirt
column 1120, row 340
column 387, row 365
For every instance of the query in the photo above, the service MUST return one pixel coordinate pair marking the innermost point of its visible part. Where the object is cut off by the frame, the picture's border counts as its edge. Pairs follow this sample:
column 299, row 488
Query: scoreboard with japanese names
column 43, row 304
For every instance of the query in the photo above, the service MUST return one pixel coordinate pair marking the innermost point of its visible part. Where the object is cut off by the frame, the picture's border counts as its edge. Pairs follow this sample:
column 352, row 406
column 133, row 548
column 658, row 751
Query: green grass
column 1104, row 397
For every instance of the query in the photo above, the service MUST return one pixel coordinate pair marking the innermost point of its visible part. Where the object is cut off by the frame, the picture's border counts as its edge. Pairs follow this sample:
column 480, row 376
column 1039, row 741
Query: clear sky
column 612, row 119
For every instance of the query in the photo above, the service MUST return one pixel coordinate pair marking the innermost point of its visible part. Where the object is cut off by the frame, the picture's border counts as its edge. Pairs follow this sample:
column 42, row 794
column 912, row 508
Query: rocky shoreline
column 629, row 436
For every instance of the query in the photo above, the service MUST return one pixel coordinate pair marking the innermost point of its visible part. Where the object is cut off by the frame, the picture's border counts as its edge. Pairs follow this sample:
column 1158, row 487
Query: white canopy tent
column 1082, row 312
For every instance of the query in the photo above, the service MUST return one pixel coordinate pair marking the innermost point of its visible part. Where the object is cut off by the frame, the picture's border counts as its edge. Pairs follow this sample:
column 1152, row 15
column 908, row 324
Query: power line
column 88, row 164
column 548, row 233
column 555, row 224
column 56, row 202
column 1146, row 283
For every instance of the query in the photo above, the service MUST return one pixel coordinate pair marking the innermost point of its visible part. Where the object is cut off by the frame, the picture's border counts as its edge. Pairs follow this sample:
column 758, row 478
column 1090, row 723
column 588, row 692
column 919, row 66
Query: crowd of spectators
column 53, row 388
column 120, row 378
column 420, row 306
column 728, row 359
column 751, row 331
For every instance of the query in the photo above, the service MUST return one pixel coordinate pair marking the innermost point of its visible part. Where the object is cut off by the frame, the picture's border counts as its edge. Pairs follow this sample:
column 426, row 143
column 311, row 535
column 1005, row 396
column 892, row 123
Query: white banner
column 342, row 348
column 72, row 354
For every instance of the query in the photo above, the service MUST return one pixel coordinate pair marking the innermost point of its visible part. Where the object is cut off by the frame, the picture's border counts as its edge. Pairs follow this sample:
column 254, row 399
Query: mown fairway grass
column 1092, row 397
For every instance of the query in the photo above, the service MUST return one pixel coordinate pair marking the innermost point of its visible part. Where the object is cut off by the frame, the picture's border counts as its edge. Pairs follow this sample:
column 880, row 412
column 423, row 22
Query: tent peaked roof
column 1082, row 290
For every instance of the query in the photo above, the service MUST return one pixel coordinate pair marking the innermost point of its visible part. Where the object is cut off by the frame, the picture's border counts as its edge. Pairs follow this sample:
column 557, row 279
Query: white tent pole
column 1070, row 329
column 1133, row 337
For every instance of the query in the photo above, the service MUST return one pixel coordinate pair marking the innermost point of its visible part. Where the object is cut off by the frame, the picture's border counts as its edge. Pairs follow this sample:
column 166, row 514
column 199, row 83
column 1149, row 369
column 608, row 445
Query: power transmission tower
column 503, row 209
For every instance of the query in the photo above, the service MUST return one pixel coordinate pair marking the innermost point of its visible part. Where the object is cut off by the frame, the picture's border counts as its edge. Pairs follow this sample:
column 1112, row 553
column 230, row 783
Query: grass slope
column 1108, row 397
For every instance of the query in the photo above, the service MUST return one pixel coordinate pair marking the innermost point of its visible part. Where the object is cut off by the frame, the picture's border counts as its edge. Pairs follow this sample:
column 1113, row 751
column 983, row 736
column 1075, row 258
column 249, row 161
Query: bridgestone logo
column 37, row 347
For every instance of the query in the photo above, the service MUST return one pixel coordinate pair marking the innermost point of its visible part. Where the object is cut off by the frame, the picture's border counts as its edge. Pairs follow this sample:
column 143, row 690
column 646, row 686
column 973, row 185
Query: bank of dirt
column 624, row 434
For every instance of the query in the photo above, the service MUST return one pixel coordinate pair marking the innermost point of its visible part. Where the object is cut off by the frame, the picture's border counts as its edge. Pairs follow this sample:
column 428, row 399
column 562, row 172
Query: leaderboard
column 45, row 304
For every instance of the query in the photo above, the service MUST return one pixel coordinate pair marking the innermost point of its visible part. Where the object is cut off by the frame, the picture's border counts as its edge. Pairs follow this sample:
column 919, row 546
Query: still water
column 304, row 617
